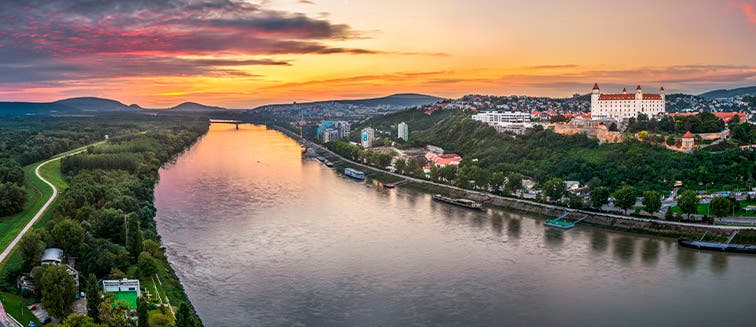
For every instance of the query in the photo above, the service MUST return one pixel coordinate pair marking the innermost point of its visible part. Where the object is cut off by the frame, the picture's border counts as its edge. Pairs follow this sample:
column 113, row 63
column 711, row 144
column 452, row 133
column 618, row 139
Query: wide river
column 261, row 237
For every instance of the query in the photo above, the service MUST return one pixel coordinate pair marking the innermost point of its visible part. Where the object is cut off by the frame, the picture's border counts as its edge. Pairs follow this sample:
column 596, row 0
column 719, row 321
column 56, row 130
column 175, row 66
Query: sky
column 241, row 54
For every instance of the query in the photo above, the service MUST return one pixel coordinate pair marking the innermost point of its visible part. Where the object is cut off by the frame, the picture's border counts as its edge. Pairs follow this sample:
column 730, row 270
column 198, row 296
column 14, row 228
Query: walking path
column 8, row 249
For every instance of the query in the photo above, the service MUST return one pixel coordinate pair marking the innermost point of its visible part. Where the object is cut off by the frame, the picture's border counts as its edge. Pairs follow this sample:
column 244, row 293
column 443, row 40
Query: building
column 329, row 131
column 54, row 256
column 687, row 141
column 367, row 137
column 443, row 160
column 403, row 131
column 124, row 290
column 490, row 117
column 623, row 105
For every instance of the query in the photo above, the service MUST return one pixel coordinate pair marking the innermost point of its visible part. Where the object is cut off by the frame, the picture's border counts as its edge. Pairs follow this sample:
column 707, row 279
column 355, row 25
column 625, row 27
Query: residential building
column 403, row 132
column 367, row 137
column 332, row 130
column 443, row 160
column 620, row 106
column 125, row 290
column 502, row 117
column 54, row 256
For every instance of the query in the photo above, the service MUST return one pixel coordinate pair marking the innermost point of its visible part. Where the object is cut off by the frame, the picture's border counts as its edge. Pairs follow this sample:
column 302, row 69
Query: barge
column 717, row 246
column 354, row 173
column 459, row 202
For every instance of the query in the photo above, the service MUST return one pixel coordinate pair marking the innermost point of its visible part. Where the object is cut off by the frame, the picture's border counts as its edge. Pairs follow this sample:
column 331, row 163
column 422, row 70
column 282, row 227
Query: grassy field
column 703, row 209
column 16, row 307
column 37, row 194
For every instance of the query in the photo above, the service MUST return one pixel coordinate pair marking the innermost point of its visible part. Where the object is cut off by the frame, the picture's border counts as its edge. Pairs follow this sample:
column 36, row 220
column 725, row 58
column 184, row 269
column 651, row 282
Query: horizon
column 237, row 54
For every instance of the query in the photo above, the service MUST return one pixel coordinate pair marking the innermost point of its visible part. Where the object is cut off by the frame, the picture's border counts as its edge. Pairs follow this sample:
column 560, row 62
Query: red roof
column 688, row 135
column 595, row 86
column 662, row 88
column 620, row 96
column 721, row 115
column 638, row 88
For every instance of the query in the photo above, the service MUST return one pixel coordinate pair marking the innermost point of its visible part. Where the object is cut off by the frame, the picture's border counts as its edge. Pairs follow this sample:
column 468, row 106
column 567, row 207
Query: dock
column 560, row 223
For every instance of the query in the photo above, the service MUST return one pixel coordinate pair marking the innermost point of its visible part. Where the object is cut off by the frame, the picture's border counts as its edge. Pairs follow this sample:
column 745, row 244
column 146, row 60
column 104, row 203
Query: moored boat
column 467, row 203
column 717, row 246
column 328, row 163
column 561, row 224
column 389, row 185
column 354, row 173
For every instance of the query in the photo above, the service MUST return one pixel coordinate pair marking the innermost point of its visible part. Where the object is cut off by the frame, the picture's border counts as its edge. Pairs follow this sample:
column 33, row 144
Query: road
column 6, row 252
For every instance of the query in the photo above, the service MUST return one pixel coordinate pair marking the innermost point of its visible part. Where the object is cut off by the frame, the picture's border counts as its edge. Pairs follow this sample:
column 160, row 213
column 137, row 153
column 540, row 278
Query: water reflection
column 650, row 252
column 260, row 237
column 599, row 240
column 624, row 248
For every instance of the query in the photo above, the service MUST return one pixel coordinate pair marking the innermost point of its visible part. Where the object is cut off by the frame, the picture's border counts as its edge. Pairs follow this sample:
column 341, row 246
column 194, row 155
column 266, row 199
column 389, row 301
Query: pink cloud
column 747, row 7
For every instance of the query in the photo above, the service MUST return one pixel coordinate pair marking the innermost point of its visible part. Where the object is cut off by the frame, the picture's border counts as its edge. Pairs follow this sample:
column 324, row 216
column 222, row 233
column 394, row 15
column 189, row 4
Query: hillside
column 34, row 108
column 93, row 104
column 723, row 93
column 396, row 101
column 195, row 107
column 416, row 120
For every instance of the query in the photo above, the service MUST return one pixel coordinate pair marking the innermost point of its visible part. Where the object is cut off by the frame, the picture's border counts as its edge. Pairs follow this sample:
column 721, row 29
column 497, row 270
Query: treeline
column 703, row 122
column 106, row 219
column 416, row 118
column 541, row 155
column 353, row 152
column 12, row 191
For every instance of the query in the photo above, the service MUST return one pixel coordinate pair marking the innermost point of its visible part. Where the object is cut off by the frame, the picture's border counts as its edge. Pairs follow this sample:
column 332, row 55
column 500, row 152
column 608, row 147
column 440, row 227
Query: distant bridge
column 228, row 121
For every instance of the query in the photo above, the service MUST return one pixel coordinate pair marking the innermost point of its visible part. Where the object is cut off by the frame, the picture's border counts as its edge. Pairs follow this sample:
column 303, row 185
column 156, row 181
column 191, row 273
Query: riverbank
column 606, row 220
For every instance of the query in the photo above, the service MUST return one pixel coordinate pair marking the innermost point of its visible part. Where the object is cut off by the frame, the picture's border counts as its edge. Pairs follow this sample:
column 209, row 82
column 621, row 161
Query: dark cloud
column 91, row 38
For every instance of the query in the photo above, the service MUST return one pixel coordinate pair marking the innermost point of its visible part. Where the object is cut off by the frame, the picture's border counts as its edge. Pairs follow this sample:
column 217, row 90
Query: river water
column 261, row 237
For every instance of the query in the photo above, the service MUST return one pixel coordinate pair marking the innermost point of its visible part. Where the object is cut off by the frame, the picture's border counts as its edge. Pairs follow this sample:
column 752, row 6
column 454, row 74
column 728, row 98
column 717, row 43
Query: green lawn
column 16, row 307
column 703, row 209
column 37, row 194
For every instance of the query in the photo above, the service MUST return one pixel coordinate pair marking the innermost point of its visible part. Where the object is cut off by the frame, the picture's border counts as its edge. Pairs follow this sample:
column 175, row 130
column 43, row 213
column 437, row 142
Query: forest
column 110, row 192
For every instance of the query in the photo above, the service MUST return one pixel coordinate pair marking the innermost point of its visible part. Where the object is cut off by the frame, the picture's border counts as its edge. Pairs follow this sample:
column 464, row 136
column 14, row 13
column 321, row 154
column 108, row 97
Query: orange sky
column 244, row 55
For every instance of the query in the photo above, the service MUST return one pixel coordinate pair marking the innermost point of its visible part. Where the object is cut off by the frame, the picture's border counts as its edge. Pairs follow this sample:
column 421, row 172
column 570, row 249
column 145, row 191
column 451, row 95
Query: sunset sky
column 243, row 54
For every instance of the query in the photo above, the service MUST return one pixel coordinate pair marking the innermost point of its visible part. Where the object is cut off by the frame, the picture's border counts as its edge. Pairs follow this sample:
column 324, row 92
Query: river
column 261, row 237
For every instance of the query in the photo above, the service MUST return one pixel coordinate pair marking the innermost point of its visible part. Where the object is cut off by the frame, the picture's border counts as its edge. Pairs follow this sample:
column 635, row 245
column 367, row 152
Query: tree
column 599, row 196
column 688, row 202
column 68, row 235
column 514, row 182
column 153, row 248
column 576, row 202
column 720, row 206
column 114, row 313
column 134, row 238
column 80, row 321
column 31, row 248
column 652, row 201
column 184, row 317
column 497, row 180
column 400, row 165
column 554, row 189
column 93, row 298
column 625, row 197
column 11, row 172
column 12, row 199
column 58, row 290
column 143, row 313
column 146, row 265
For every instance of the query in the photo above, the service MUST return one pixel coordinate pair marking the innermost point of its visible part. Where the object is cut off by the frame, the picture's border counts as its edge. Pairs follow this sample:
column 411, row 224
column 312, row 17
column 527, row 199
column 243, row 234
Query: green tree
column 554, row 189
column 599, row 196
column 93, row 298
column 68, row 235
column 625, row 197
column 400, row 165
column 688, row 202
column 720, row 206
column 31, row 247
column 184, row 317
column 80, row 321
column 146, row 265
column 497, row 180
column 114, row 313
column 11, row 172
column 652, row 201
column 576, row 202
column 58, row 290
column 143, row 313
column 12, row 199
column 514, row 183
column 134, row 238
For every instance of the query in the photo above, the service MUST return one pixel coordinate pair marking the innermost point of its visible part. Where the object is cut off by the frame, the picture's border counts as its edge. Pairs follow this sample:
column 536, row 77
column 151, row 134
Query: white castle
column 623, row 105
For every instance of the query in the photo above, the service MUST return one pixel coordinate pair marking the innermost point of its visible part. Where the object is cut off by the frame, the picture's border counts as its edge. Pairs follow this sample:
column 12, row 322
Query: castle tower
column 595, row 100
column 624, row 90
column 638, row 93
column 661, row 92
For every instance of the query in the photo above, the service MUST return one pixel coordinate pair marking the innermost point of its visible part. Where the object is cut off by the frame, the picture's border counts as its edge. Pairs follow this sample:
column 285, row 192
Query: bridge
column 227, row 121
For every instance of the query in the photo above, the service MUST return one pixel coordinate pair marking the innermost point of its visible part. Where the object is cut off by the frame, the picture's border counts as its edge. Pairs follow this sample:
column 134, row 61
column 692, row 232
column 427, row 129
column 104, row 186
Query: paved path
column 42, row 210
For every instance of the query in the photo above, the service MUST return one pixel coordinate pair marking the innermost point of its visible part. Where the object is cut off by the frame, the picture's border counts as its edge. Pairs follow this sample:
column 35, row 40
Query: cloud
column 94, row 39
column 748, row 8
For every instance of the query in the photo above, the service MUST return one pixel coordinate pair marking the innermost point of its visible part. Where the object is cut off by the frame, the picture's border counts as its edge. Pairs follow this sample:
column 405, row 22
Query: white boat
column 354, row 173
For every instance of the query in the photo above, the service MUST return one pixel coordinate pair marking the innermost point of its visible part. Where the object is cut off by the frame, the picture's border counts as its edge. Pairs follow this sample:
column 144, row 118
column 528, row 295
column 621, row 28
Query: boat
column 467, row 203
column 328, row 163
column 561, row 224
column 717, row 246
column 389, row 185
column 354, row 173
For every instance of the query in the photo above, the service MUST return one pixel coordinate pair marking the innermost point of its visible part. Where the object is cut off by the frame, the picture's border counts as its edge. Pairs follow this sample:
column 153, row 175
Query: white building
column 367, row 137
column 121, row 285
column 623, row 105
column 403, row 132
column 502, row 117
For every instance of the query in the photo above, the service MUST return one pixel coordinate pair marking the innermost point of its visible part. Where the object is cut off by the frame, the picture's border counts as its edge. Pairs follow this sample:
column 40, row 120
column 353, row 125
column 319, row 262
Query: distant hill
column 195, row 107
column 93, row 104
column 742, row 91
column 34, row 108
column 401, row 100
